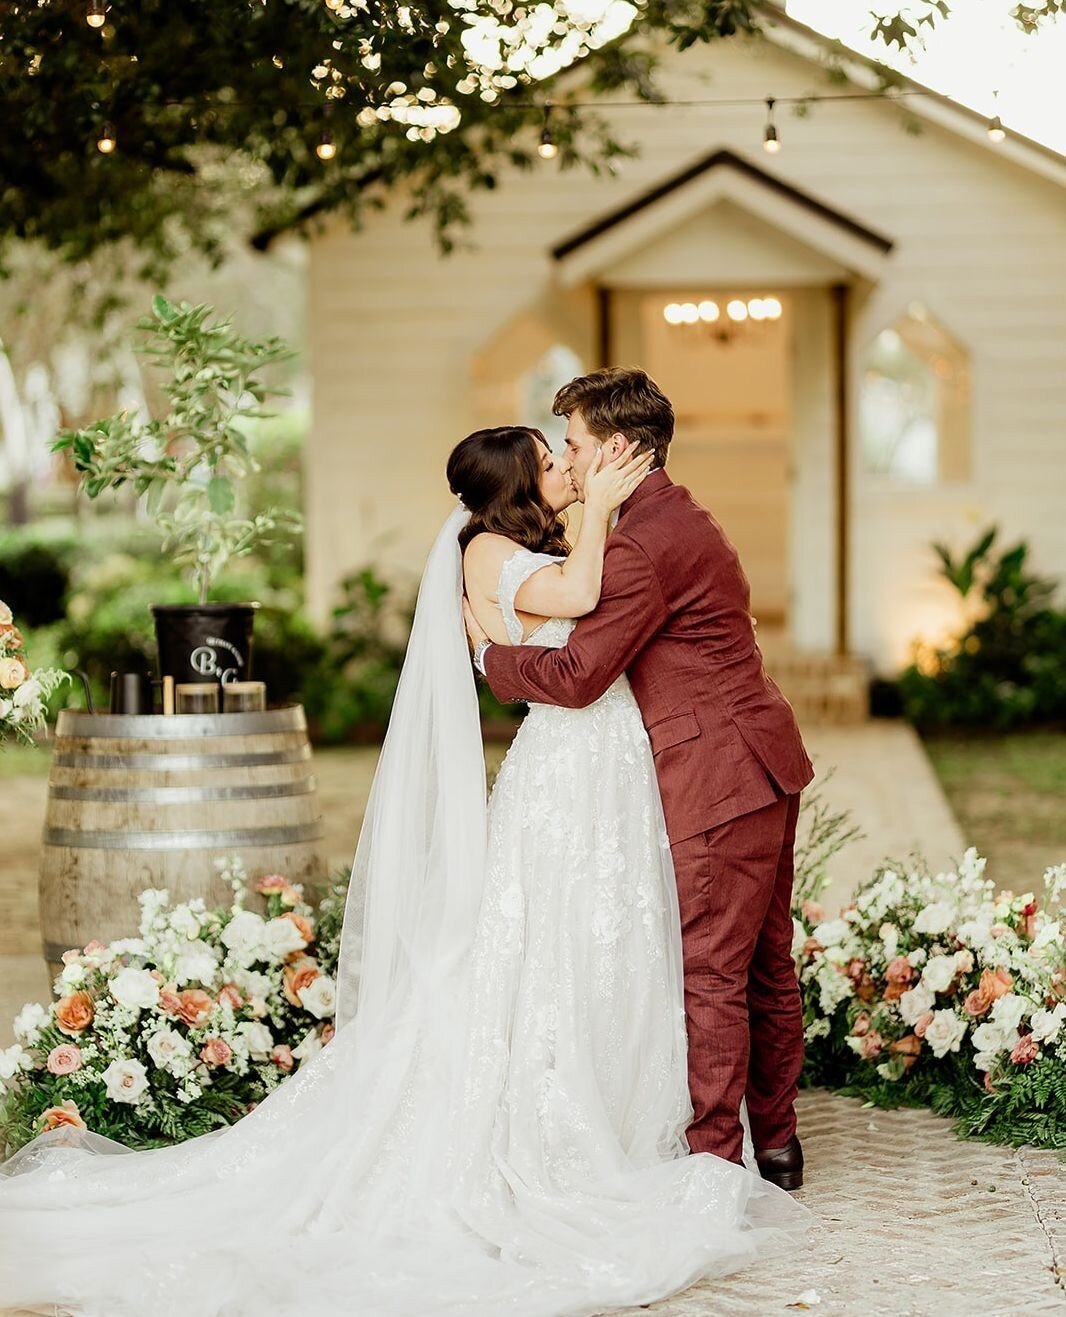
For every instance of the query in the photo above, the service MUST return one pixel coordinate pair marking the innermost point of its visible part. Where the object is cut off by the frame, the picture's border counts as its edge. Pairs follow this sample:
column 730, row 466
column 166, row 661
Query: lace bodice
column 516, row 570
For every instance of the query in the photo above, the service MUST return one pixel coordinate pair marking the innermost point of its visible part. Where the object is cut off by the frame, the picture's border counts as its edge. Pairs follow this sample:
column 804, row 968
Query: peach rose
column 170, row 1001
column 230, row 996
column 194, row 1005
column 303, row 925
column 899, row 970
column 216, row 1051
column 995, row 983
column 75, row 1013
column 861, row 1027
column 866, row 988
column 872, row 1044
column 282, row 1057
column 93, row 945
column 976, row 1003
column 13, row 672
column 908, row 1047
column 326, row 1032
column 813, row 912
column 811, row 946
column 298, row 975
column 922, row 1023
column 989, row 1086
column 65, row 1114
column 856, row 968
column 64, row 1059
column 1026, row 1050
column 290, row 895
column 272, row 882
column 71, row 956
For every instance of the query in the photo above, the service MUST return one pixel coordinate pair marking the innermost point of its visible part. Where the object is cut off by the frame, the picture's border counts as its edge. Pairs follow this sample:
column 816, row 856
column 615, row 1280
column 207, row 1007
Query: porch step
column 822, row 688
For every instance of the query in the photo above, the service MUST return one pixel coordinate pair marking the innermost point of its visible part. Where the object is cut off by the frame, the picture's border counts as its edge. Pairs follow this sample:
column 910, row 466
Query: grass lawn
column 1009, row 794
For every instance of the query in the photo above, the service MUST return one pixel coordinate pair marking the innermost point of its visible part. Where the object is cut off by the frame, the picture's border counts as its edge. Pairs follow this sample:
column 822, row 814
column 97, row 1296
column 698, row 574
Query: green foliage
column 186, row 464
column 1009, row 668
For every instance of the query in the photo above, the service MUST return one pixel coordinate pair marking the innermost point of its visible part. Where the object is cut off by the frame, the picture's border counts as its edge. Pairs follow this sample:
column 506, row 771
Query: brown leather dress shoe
column 782, row 1166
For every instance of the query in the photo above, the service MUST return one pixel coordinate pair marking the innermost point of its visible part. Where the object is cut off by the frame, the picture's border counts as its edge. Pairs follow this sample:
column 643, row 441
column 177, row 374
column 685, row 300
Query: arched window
column 914, row 409
column 558, row 366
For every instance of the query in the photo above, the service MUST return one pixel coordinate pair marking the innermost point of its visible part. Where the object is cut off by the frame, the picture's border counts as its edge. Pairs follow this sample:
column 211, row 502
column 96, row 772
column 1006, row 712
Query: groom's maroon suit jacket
column 674, row 614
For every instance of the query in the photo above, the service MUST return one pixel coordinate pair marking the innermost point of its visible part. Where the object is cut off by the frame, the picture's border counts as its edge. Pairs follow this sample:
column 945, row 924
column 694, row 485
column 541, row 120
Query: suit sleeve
column 601, row 646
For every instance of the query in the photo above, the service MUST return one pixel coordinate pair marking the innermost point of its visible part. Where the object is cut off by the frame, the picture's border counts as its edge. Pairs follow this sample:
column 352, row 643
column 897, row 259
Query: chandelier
column 723, row 324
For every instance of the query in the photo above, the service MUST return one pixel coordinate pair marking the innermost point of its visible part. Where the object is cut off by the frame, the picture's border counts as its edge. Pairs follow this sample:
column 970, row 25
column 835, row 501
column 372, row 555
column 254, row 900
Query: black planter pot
column 205, row 642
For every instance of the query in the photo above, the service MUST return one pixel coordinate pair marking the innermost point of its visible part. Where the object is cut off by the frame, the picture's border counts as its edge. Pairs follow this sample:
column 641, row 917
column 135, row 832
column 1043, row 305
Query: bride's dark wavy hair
column 496, row 473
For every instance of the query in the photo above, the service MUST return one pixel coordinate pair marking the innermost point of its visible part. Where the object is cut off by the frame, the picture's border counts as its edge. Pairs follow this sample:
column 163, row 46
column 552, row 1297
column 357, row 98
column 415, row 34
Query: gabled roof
column 722, row 176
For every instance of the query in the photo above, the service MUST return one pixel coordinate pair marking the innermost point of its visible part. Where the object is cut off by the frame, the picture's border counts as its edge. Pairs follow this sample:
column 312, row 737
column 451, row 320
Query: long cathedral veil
column 416, row 879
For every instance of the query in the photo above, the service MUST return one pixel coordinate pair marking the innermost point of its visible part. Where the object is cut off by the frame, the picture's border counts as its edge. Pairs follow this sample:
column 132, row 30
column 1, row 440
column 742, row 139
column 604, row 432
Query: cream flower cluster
column 927, row 965
column 197, row 994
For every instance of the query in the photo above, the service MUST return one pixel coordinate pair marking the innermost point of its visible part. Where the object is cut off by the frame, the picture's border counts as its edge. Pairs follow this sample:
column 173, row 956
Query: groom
column 674, row 615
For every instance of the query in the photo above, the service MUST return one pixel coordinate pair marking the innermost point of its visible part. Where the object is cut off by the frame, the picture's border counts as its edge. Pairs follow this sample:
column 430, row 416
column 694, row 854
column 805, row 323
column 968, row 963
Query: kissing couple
column 569, row 1031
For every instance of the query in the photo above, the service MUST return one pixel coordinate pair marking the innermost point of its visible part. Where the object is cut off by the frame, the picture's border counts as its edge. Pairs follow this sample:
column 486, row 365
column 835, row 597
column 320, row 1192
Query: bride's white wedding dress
column 502, row 1136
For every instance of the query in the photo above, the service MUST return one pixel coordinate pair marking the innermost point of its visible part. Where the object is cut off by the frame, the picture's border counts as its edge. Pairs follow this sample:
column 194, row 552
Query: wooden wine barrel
column 151, row 800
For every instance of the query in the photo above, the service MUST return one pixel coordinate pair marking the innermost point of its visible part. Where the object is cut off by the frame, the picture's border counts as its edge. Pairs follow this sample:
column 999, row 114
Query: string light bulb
column 96, row 13
column 770, row 142
column 327, row 148
column 547, row 150
column 107, row 141
column 996, row 131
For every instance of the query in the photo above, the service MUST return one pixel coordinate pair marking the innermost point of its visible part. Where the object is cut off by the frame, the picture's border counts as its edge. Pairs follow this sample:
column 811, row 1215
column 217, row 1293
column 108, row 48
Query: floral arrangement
column 158, row 1038
column 937, row 990
column 23, row 694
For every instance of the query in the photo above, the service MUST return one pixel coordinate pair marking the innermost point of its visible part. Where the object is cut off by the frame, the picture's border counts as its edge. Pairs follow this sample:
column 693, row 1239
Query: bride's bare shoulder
column 486, row 554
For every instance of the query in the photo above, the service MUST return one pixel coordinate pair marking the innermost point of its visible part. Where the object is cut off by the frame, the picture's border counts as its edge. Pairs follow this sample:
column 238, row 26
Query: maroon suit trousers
column 742, row 1002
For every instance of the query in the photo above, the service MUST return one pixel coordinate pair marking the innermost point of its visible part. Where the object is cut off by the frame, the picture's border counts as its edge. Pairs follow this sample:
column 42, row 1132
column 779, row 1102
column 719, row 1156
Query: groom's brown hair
column 623, row 400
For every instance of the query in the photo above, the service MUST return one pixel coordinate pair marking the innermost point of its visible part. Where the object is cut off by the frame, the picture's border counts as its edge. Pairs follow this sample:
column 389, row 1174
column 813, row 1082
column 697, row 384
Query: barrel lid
column 180, row 726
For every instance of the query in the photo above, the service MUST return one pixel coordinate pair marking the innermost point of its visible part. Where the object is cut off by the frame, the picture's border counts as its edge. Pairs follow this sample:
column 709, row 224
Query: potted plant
column 187, row 465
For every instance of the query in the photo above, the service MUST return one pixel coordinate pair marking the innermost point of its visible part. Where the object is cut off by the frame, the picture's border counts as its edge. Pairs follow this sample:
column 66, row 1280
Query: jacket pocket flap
column 671, row 731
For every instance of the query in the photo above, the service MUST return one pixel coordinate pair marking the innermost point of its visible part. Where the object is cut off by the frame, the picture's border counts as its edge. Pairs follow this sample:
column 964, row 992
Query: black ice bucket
column 205, row 642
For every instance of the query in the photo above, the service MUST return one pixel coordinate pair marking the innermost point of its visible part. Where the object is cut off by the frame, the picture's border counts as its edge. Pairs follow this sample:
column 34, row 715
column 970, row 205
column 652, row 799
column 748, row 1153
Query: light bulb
column 708, row 312
column 769, row 140
column 326, row 149
column 95, row 13
column 547, row 149
column 737, row 310
column 106, row 142
column 996, row 131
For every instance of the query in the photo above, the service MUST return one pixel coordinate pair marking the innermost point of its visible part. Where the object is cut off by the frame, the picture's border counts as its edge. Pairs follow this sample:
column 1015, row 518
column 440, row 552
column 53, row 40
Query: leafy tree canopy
column 270, row 112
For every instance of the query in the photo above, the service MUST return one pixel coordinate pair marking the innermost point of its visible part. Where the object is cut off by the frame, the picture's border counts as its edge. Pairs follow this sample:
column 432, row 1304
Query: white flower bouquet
column 157, row 1038
column 23, row 693
column 938, row 990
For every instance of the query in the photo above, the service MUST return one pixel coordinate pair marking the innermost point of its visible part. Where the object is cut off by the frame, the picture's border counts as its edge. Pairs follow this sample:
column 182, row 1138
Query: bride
column 498, row 1124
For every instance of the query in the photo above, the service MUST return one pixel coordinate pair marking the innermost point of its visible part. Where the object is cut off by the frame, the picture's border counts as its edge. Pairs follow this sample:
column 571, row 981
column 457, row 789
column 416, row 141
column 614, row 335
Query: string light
column 770, row 141
column 547, row 150
column 996, row 132
column 96, row 13
column 107, row 141
column 326, row 148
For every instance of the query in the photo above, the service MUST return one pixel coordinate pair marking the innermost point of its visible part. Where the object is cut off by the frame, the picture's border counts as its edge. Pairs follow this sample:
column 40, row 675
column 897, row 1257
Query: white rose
column 963, row 961
column 945, row 1032
column 319, row 997
column 6, row 616
column 258, row 1037
column 889, row 935
column 282, row 937
column 182, row 920
column 199, row 962
column 1046, row 1024
column 125, row 1080
column 167, row 1046
column 29, row 1022
column 799, row 936
column 915, row 1002
column 134, row 987
column 977, row 933
column 1047, row 934
column 5, row 708
column 73, row 974
column 939, row 973
column 832, row 932
column 244, row 934
column 984, row 1060
column 994, row 1037
column 916, row 957
column 934, row 918
column 253, row 983
column 1008, row 1010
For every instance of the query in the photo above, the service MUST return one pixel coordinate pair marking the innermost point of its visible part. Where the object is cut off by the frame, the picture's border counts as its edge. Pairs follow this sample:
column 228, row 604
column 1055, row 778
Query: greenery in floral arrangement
column 24, row 694
column 158, row 1038
column 1009, row 667
column 188, row 463
column 936, row 990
